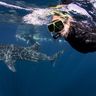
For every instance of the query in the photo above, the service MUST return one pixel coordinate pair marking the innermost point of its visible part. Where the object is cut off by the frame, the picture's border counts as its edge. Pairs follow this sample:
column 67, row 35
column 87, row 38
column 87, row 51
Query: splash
column 38, row 17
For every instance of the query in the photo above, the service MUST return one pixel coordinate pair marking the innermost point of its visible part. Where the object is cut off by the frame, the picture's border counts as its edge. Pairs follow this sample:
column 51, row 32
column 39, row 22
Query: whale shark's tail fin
column 55, row 56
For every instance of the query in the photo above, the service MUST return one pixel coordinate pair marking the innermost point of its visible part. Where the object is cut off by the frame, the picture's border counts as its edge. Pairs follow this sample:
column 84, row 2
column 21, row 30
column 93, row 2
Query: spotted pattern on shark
column 11, row 53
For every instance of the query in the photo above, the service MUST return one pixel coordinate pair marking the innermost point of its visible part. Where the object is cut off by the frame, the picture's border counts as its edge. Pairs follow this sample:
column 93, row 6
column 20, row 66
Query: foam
column 39, row 16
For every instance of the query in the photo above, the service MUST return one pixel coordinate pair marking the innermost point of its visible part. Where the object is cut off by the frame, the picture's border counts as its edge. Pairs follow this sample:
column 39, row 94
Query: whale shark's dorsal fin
column 35, row 46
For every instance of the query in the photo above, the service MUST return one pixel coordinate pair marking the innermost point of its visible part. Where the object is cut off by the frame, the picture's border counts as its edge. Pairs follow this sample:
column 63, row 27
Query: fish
column 10, row 53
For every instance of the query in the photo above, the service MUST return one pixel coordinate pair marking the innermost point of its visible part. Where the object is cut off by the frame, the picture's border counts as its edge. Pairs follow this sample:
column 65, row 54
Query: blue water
column 74, row 73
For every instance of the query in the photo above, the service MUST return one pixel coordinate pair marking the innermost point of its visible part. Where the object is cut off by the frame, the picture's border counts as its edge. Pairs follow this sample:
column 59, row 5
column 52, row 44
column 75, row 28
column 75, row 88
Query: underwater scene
column 32, row 62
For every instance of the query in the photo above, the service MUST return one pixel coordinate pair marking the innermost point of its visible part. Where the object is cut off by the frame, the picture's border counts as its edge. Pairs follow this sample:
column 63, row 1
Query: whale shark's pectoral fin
column 35, row 46
column 9, row 61
column 11, row 67
column 10, row 64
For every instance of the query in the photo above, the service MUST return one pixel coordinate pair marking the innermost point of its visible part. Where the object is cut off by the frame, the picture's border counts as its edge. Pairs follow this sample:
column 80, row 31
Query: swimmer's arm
column 85, row 32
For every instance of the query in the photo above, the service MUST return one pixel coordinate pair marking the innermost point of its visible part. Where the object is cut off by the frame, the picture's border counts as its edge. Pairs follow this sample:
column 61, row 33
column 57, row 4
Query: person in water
column 76, row 25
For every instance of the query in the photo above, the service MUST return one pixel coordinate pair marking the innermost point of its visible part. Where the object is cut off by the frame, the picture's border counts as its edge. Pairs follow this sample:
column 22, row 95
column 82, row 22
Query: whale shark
column 10, row 53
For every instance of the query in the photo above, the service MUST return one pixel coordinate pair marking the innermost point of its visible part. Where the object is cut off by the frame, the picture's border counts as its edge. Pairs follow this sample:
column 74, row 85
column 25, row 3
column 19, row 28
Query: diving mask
column 56, row 26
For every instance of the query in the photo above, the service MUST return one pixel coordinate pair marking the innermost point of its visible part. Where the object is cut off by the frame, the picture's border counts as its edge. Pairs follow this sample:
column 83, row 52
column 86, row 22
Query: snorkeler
column 76, row 25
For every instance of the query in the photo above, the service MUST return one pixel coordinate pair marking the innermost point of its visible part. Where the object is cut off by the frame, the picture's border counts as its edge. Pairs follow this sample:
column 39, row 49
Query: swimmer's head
column 58, row 23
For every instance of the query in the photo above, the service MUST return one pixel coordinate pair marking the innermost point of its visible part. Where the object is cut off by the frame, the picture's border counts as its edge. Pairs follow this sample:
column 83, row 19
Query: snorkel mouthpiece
column 56, row 36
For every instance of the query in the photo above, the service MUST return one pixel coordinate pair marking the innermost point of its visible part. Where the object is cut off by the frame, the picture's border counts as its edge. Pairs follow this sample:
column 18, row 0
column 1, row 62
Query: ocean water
column 74, row 73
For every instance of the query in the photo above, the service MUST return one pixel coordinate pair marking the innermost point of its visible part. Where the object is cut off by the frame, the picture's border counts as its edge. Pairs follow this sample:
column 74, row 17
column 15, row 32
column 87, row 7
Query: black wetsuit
column 82, row 35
